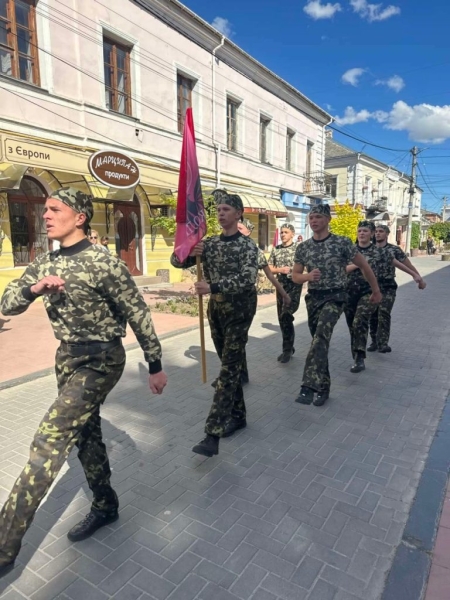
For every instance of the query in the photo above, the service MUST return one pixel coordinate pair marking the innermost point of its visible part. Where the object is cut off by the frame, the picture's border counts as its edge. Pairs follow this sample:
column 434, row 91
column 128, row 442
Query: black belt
column 87, row 348
column 233, row 297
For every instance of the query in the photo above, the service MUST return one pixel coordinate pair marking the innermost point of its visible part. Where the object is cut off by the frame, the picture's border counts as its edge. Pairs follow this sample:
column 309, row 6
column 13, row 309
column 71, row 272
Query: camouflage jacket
column 356, row 282
column 330, row 255
column 283, row 256
column 388, row 270
column 100, row 297
column 230, row 263
column 262, row 260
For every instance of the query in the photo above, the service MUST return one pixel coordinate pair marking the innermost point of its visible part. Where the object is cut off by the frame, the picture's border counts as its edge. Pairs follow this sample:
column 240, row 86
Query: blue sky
column 381, row 68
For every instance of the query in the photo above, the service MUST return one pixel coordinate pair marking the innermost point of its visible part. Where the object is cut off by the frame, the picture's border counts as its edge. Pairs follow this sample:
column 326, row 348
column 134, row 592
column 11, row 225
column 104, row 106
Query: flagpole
column 202, row 322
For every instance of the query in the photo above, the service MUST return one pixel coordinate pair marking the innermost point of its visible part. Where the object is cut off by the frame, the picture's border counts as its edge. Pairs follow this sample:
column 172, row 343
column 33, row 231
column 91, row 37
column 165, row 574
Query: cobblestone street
column 306, row 503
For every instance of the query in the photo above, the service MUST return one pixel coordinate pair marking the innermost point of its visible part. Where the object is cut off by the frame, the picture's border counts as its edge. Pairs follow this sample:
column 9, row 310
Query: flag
column 275, row 238
column 190, row 216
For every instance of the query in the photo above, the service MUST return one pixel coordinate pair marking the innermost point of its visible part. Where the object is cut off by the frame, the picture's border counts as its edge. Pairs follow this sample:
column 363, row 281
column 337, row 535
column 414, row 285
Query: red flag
column 275, row 238
column 190, row 217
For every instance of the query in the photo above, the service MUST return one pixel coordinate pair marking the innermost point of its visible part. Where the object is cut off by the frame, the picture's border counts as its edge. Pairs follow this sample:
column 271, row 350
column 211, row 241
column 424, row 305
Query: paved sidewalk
column 305, row 504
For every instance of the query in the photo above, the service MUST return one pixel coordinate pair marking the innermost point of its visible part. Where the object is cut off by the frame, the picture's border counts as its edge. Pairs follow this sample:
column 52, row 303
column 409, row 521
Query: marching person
column 325, row 257
column 90, row 297
column 380, row 322
column 358, row 309
column 230, row 268
column 281, row 262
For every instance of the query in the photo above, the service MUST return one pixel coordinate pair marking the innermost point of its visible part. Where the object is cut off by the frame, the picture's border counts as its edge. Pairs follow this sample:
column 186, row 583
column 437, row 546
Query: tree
column 415, row 235
column 346, row 220
column 440, row 231
column 169, row 224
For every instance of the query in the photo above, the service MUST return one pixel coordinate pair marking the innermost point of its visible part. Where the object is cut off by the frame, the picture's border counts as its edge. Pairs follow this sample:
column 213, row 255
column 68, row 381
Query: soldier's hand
column 287, row 301
column 285, row 270
column 157, row 382
column 197, row 250
column 201, row 288
column 422, row 284
column 375, row 297
column 48, row 285
column 314, row 275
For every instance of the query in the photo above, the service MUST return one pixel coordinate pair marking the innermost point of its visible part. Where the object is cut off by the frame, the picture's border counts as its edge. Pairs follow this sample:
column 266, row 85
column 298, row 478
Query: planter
column 445, row 257
column 414, row 251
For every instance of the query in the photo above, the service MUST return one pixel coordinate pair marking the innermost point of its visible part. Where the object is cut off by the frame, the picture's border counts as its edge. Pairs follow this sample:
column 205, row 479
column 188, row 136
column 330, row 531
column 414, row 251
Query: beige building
column 379, row 189
column 80, row 76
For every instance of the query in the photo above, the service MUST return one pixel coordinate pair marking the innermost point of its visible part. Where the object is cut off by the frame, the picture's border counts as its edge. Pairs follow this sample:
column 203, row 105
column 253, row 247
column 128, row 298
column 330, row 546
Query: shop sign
column 114, row 169
column 42, row 155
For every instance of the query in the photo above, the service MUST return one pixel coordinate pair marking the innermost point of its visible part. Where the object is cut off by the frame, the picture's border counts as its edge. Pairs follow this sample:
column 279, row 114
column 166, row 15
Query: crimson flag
column 190, row 217
column 275, row 238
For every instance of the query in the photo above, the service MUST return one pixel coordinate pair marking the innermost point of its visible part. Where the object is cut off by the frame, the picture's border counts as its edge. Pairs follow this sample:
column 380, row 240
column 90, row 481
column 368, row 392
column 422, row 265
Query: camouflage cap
column 288, row 226
column 320, row 209
column 385, row 227
column 366, row 223
column 76, row 200
column 223, row 197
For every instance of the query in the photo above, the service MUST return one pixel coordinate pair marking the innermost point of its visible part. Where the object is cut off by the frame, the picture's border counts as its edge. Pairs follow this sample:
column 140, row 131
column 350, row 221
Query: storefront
column 297, row 207
column 263, row 212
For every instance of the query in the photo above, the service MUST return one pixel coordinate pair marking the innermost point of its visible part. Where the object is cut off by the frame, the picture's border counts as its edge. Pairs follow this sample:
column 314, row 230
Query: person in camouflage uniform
column 325, row 257
column 380, row 323
column 230, row 268
column 89, row 297
column 358, row 309
column 281, row 262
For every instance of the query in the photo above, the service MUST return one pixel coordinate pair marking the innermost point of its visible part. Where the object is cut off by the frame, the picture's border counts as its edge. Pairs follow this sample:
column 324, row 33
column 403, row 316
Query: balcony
column 315, row 184
column 379, row 203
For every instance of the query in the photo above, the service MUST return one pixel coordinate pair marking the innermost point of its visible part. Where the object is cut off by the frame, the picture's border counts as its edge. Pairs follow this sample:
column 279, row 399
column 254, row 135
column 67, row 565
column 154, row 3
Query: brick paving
column 305, row 504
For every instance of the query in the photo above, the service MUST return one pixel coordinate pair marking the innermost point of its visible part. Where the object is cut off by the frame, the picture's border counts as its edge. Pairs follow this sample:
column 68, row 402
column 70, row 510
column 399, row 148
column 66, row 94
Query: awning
column 268, row 206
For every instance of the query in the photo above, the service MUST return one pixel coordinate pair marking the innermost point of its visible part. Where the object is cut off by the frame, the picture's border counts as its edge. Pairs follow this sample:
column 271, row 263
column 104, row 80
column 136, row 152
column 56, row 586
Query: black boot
column 306, row 395
column 6, row 564
column 385, row 349
column 286, row 356
column 89, row 525
column 373, row 346
column 359, row 363
column 207, row 447
column 244, row 378
column 322, row 397
column 214, row 383
column 233, row 426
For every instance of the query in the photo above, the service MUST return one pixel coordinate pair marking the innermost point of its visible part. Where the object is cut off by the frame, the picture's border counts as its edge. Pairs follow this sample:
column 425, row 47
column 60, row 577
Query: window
column 331, row 186
column 232, row 124
column 309, row 157
column 116, row 60
column 18, row 41
column 263, row 231
column 289, row 149
column 264, row 123
column 184, row 98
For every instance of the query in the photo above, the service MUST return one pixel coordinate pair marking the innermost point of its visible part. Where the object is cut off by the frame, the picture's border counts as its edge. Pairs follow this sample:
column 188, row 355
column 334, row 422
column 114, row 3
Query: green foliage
column 415, row 235
column 169, row 223
column 346, row 220
column 185, row 304
column 440, row 231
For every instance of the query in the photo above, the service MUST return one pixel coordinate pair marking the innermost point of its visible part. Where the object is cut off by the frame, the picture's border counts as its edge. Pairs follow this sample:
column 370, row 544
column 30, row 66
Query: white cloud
column 351, row 116
column 424, row 122
column 328, row 107
column 374, row 12
column 395, row 83
column 316, row 10
column 352, row 76
column 223, row 25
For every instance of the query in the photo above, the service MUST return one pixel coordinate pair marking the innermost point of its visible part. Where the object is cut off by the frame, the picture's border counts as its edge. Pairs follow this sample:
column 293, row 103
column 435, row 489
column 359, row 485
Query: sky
column 381, row 69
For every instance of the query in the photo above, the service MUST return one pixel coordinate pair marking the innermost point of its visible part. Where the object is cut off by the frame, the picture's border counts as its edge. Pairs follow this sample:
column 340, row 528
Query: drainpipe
column 216, row 146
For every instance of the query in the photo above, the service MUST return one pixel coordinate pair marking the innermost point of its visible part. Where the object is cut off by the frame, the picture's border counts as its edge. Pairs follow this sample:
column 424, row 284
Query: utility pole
column 444, row 206
column 412, row 191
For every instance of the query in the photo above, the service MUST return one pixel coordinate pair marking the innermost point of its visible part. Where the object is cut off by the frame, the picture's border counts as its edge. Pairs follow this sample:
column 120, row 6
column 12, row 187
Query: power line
column 366, row 142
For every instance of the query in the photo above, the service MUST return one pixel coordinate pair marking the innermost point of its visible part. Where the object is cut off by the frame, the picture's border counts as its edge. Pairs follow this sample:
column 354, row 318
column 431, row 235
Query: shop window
column 185, row 86
column 116, row 59
column 18, row 40
column 26, row 214
column 263, row 232
column 331, row 186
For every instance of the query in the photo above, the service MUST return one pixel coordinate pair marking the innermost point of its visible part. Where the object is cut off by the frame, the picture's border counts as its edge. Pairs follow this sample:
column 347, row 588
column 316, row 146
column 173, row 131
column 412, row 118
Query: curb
column 133, row 346
column 408, row 577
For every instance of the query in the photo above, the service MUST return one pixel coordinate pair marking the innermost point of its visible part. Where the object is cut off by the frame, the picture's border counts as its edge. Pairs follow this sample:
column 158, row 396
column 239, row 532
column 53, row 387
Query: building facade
column 79, row 77
column 379, row 189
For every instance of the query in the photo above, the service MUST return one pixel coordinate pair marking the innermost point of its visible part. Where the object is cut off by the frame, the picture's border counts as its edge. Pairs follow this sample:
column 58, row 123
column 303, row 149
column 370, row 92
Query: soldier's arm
column 18, row 296
column 233, row 284
column 277, row 285
column 414, row 274
column 187, row 264
column 120, row 288
column 359, row 260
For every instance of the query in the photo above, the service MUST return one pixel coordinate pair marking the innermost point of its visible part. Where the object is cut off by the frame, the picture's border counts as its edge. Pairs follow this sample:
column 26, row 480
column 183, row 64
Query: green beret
column 320, row 209
column 76, row 200
column 223, row 197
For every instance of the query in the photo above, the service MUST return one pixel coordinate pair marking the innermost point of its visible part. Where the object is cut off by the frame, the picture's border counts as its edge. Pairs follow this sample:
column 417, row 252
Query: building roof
column 335, row 150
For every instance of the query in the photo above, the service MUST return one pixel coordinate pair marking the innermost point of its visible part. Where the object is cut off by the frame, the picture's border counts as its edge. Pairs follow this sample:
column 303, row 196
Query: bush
column 415, row 235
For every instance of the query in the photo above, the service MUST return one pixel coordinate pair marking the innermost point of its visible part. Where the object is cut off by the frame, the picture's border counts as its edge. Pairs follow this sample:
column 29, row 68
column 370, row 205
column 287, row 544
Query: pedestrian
column 299, row 239
column 380, row 322
column 430, row 246
column 89, row 297
column 281, row 262
column 358, row 309
column 230, row 268
column 325, row 257
column 104, row 241
column 94, row 237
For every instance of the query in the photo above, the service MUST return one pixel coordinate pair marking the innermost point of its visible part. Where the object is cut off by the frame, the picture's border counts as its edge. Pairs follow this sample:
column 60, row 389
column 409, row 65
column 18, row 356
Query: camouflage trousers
column 229, row 323
column 73, row 419
column 380, row 323
column 286, row 315
column 358, row 312
column 324, row 311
